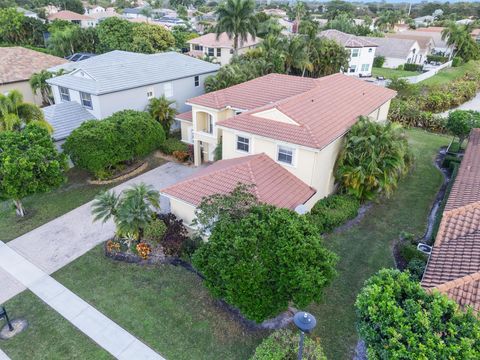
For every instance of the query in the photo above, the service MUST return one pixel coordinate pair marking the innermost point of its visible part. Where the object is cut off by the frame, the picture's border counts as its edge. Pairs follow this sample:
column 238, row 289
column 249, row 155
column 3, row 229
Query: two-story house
column 362, row 51
column 119, row 80
column 221, row 48
column 398, row 51
column 280, row 133
column 66, row 15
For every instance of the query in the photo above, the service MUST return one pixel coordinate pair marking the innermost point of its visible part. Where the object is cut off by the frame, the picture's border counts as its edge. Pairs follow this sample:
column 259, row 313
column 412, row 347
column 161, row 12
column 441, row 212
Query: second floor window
column 211, row 51
column 243, row 144
column 365, row 67
column 285, row 155
column 168, row 90
column 86, row 100
column 197, row 81
column 219, row 52
column 352, row 68
column 355, row 53
column 198, row 47
column 64, row 94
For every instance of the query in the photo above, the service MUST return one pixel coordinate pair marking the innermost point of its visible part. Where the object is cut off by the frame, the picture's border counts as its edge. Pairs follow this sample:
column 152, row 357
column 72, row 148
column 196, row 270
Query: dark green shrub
column 283, row 345
column 408, row 114
column 409, row 252
column 461, row 122
column 171, row 145
column 190, row 245
column 378, row 61
column 437, row 58
column 332, row 211
column 155, row 231
column 265, row 261
column 412, row 67
column 449, row 159
column 101, row 146
column 400, row 67
column 417, row 268
column 457, row 61
column 398, row 319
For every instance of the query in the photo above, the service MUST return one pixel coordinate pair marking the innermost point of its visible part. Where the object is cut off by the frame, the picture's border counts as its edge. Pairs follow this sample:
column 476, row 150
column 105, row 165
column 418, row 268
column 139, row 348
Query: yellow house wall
column 182, row 210
column 25, row 89
column 184, row 130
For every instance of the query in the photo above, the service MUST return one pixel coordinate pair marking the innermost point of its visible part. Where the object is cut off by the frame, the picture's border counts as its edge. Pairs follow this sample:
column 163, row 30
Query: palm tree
column 38, row 83
column 237, row 19
column 458, row 38
column 296, row 56
column 131, row 211
column 161, row 110
column 388, row 18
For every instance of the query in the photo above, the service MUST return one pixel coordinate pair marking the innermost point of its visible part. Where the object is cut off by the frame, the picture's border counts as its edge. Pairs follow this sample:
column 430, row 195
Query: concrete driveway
column 60, row 241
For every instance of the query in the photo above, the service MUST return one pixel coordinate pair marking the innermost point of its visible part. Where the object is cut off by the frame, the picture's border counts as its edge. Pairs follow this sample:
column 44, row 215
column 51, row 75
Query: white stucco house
column 83, row 20
column 279, row 133
column 362, row 51
column 221, row 48
column 119, row 80
column 398, row 51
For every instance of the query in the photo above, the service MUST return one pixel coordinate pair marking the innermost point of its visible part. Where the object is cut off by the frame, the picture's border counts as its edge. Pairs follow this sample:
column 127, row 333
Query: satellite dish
column 301, row 209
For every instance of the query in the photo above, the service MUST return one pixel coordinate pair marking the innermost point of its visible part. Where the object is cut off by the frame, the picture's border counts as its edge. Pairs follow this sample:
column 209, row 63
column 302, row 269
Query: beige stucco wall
column 182, row 210
column 25, row 89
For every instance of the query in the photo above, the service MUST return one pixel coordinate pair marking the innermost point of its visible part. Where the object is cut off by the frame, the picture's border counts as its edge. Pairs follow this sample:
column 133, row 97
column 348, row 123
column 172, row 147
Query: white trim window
column 168, row 90
column 365, row 67
column 243, row 143
column 86, row 100
column 211, row 51
column 352, row 68
column 285, row 154
column 219, row 52
column 64, row 93
column 355, row 53
column 150, row 93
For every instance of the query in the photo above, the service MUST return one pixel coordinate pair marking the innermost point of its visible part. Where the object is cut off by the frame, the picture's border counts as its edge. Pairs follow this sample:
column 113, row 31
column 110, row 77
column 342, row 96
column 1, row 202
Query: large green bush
column 374, row 158
column 332, row 211
column 412, row 67
column 378, row 61
column 265, row 261
column 283, row 345
column 170, row 145
column 408, row 114
column 100, row 146
column 398, row 319
column 461, row 122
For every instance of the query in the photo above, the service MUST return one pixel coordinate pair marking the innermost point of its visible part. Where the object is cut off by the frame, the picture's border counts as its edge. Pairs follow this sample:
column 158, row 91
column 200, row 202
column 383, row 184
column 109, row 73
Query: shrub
column 400, row 67
column 449, row 160
column 101, row 146
column 437, row 58
column 144, row 250
column 457, row 61
column 265, row 261
column 461, row 122
column 181, row 156
column 408, row 114
column 190, row 245
column 409, row 252
column 373, row 159
column 154, row 231
column 175, row 236
column 171, row 145
column 283, row 345
column 333, row 211
column 416, row 267
column 378, row 61
column 412, row 67
column 398, row 319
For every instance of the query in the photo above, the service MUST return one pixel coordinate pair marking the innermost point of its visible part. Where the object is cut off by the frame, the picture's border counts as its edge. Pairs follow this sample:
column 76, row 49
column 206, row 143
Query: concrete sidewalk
column 106, row 333
column 3, row 356
column 57, row 243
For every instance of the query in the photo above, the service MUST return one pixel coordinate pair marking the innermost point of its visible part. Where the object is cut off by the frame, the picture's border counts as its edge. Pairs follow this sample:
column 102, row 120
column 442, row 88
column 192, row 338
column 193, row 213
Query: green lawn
column 166, row 306
column 390, row 73
column 366, row 247
column 42, row 208
column 450, row 74
column 48, row 336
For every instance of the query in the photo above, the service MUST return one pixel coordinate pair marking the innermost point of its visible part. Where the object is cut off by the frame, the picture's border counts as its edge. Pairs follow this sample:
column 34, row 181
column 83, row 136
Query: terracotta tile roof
column 454, row 265
column 186, row 116
column 347, row 40
column 323, row 113
column 210, row 40
column 273, row 184
column 255, row 93
column 19, row 64
column 68, row 16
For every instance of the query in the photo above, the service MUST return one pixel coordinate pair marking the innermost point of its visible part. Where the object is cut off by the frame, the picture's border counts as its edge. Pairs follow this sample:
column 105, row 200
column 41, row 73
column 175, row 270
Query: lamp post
column 305, row 322
column 3, row 314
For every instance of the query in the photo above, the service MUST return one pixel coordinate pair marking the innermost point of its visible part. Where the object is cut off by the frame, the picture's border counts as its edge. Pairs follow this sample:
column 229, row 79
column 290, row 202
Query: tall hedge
column 398, row 319
column 265, row 261
column 99, row 146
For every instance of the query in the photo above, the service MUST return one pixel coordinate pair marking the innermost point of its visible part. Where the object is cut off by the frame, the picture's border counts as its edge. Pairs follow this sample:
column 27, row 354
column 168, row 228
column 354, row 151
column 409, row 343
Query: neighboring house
column 94, row 10
column 426, row 43
column 221, row 49
column 453, row 267
column 121, row 80
column 271, row 128
column 276, row 12
column 83, row 20
column 423, row 21
column 362, row 51
column 133, row 13
column 17, row 65
column 429, row 38
column 397, row 51
column 27, row 13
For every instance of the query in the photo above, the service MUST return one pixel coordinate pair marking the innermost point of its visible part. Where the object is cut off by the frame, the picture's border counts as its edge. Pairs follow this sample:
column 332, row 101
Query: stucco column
column 197, row 156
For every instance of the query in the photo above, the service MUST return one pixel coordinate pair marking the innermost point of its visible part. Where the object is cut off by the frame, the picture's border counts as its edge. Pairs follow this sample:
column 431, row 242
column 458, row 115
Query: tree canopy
column 264, row 261
column 461, row 122
column 398, row 319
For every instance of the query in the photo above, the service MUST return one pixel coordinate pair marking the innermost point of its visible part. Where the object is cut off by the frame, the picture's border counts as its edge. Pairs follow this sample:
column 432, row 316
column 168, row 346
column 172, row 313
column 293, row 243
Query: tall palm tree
column 161, row 110
column 38, row 83
column 296, row 56
column 459, row 40
column 237, row 19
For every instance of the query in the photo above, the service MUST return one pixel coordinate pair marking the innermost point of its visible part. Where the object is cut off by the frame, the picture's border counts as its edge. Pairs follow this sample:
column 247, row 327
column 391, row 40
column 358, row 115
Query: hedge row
column 332, row 211
column 101, row 146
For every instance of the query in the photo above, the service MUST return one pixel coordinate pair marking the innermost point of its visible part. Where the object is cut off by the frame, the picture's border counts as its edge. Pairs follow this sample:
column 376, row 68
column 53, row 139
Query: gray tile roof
column 392, row 47
column 347, row 40
column 120, row 70
column 65, row 117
